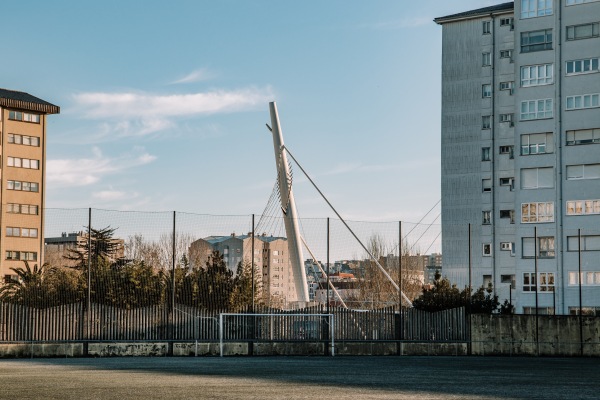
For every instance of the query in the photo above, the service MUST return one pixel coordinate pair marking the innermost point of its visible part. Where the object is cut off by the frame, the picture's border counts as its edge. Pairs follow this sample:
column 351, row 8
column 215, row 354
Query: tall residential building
column 22, row 178
column 521, row 151
column 270, row 256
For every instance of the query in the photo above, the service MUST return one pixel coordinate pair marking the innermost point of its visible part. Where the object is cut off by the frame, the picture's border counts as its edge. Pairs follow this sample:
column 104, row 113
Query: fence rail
column 73, row 322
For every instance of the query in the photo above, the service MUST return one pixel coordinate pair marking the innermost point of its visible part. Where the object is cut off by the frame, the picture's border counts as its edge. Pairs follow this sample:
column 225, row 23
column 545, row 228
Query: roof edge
column 504, row 8
column 30, row 106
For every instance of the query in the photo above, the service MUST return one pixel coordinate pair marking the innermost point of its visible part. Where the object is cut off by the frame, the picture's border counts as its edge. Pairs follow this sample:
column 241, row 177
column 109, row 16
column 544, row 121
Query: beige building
column 270, row 255
column 22, row 178
column 57, row 249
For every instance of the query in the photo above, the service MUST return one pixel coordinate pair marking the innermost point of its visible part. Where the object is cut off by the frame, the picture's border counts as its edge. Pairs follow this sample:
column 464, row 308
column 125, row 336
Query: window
column 546, row 282
column 583, row 171
column 583, row 207
column 588, row 243
column 536, row 109
column 574, row 2
column 486, row 91
column 13, row 231
column 545, row 247
column 507, row 182
column 536, row 41
column 510, row 214
column 529, row 282
column 508, row 279
column 486, row 59
column 583, row 136
column 485, row 154
column 583, row 66
column 486, row 122
column 537, row 212
column 536, row 143
column 487, row 27
column 505, row 246
column 487, row 218
column 487, row 249
column 537, row 178
column 22, row 163
column 507, row 85
column 24, row 140
column 535, row 8
column 487, row 185
column 535, row 75
column 506, row 53
column 587, row 278
column 506, row 118
column 579, row 102
column 584, row 31
column 24, row 186
column 22, row 116
column 507, row 150
column 506, row 22
column 21, row 255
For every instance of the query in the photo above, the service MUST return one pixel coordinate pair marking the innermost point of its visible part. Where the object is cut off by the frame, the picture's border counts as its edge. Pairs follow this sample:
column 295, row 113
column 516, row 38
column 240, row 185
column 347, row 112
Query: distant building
column 270, row 255
column 22, row 179
column 433, row 264
column 346, row 285
column 58, row 248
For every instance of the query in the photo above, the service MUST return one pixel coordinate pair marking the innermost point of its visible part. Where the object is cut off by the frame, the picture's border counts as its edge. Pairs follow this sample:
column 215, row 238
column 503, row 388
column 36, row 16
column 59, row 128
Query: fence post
column 536, row 279
column 400, row 319
column 253, row 320
column 88, row 303
column 172, row 305
column 326, row 350
column 470, row 340
column 580, row 295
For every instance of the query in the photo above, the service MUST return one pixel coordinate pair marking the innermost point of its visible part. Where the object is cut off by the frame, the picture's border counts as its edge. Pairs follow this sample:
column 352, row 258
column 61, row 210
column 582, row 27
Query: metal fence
column 73, row 322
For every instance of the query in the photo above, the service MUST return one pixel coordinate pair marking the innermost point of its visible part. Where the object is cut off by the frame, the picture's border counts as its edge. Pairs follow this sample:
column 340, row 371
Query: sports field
column 316, row 378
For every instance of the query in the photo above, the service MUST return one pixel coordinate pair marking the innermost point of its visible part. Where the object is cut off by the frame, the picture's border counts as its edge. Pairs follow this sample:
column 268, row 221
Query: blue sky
column 164, row 104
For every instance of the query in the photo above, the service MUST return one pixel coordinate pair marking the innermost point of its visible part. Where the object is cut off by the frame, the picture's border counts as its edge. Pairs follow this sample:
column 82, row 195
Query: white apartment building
column 521, row 152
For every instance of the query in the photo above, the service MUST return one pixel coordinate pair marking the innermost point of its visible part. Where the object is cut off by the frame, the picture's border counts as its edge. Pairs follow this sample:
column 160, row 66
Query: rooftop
column 25, row 101
column 497, row 9
column 219, row 239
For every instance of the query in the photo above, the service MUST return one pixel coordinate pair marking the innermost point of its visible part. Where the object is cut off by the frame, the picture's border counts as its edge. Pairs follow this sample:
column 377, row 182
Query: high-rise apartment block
column 22, row 178
column 521, row 152
column 270, row 258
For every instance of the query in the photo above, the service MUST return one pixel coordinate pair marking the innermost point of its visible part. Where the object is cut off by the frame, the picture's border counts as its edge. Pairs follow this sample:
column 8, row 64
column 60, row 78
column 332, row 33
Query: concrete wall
column 516, row 335
column 491, row 335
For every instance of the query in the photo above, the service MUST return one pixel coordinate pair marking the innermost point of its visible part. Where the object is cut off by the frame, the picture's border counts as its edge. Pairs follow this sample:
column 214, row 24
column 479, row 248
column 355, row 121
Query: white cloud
column 110, row 195
column 136, row 114
column 129, row 105
column 198, row 75
column 87, row 171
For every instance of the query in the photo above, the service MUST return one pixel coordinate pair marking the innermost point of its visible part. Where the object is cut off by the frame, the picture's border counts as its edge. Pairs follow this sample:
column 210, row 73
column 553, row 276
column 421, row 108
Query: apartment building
column 57, row 250
column 521, row 152
column 270, row 255
column 22, row 178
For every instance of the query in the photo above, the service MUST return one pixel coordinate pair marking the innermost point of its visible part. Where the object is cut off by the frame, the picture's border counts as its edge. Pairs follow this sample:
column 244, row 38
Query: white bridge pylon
column 288, row 206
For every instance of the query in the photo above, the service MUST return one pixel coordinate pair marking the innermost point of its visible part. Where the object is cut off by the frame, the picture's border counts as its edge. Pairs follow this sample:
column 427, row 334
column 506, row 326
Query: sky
column 164, row 104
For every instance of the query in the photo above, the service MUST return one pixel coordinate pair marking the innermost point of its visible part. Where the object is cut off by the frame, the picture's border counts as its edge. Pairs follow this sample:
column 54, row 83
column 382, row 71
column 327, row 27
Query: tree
column 443, row 295
column 241, row 294
column 217, row 283
column 101, row 246
column 375, row 289
column 43, row 286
